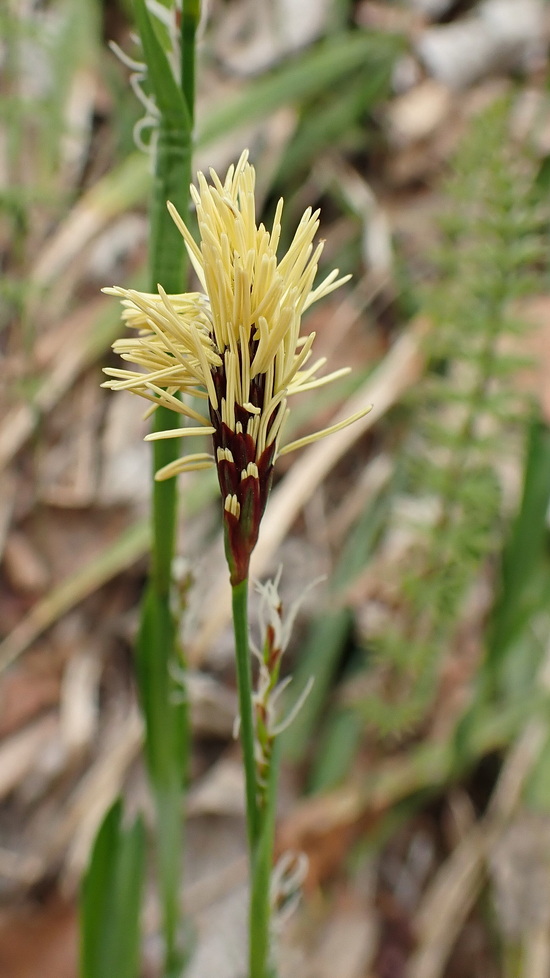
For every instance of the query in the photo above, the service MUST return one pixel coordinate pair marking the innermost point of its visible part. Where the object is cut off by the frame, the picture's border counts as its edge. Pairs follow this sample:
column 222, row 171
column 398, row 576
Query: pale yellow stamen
column 192, row 247
column 278, row 422
column 253, row 426
column 321, row 381
column 232, row 505
column 251, row 470
column 168, row 399
column 190, row 463
column 242, row 330
column 178, row 433
column 301, row 442
column 224, row 454
column 265, row 418
column 328, row 285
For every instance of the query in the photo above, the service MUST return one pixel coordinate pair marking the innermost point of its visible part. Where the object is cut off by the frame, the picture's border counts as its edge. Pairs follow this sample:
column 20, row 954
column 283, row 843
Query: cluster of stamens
column 245, row 442
column 236, row 345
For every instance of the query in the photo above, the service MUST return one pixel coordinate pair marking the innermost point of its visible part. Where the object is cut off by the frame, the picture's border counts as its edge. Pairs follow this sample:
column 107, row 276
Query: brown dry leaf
column 9, row 485
column 48, row 934
column 452, row 893
column 125, row 457
column 73, row 834
column 114, row 556
column 61, row 355
column 347, row 940
column 26, row 692
column 66, row 465
column 21, row 753
column 324, row 828
column 79, row 711
column 24, row 566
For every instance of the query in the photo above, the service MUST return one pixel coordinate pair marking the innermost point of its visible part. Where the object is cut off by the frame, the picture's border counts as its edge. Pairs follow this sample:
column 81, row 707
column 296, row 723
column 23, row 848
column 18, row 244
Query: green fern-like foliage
column 465, row 418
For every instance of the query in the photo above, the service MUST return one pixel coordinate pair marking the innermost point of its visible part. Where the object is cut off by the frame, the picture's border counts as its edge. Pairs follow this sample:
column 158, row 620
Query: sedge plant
column 236, row 348
column 164, row 81
column 169, row 53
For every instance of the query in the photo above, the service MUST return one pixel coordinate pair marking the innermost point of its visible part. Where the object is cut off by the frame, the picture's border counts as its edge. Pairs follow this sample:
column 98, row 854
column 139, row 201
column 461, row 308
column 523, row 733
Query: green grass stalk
column 260, row 819
column 166, row 716
column 261, row 965
column 190, row 17
column 244, row 682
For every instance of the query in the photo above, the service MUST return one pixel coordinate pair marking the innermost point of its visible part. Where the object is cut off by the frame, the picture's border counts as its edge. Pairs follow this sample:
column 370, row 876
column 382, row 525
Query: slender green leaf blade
column 338, row 747
column 167, row 92
column 111, row 900
column 325, row 65
column 523, row 553
column 320, row 659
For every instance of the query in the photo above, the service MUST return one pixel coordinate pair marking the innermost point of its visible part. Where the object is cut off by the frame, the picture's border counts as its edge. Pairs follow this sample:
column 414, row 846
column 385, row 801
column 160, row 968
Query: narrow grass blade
column 332, row 118
column 168, row 94
column 513, row 649
column 525, row 549
column 261, row 925
column 320, row 657
column 111, row 900
column 322, row 67
column 337, row 747
column 130, row 546
column 329, row 635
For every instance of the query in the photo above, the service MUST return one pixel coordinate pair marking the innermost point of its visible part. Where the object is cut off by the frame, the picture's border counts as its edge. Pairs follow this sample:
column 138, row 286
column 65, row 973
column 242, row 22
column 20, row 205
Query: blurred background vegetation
column 416, row 776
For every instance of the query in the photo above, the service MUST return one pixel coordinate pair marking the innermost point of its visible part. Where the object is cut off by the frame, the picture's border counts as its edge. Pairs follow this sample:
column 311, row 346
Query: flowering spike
column 237, row 345
column 269, row 689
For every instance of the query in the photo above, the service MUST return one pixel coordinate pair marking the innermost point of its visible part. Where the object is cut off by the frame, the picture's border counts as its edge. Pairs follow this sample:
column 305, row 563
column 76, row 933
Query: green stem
column 260, row 819
column 168, row 806
column 164, row 505
column 244, row 681
column 190, row 16
column 260, row 897
column 166, row 717
column 166, row 751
